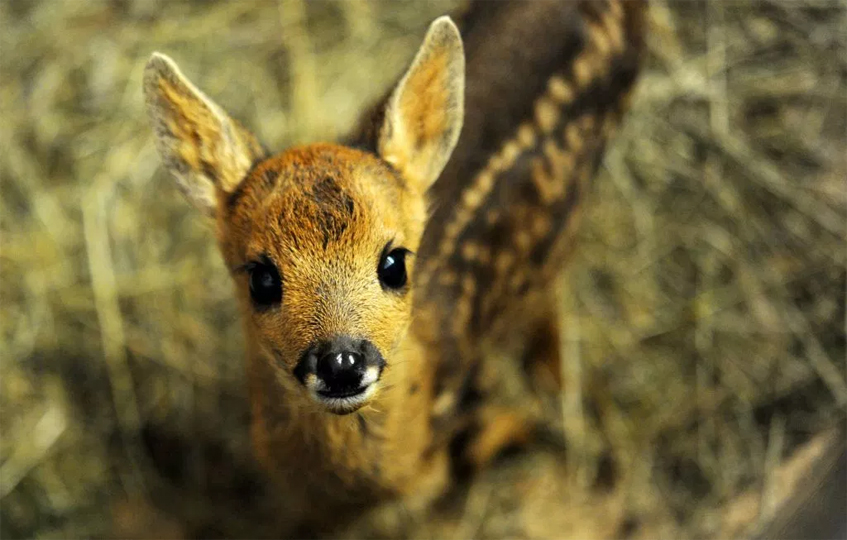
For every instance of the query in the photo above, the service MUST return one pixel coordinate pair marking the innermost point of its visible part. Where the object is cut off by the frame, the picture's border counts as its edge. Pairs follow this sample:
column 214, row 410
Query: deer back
column 546, row 84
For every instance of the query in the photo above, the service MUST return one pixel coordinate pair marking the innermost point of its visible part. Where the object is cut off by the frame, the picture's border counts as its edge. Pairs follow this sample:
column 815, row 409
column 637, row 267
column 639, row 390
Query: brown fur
column 546, row 83
column 330, row 288
column 490, row 258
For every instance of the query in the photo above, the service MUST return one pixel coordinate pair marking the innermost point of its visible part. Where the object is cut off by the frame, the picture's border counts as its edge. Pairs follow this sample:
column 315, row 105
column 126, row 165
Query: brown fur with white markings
column 546, row 83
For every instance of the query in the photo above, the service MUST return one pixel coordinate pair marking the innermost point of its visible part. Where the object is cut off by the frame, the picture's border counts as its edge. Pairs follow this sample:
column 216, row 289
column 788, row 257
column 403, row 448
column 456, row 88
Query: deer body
column 366, row 287
column 518, row 175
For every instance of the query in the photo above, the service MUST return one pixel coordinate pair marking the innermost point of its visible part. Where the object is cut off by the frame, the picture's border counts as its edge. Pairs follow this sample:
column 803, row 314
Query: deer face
column 320, row 239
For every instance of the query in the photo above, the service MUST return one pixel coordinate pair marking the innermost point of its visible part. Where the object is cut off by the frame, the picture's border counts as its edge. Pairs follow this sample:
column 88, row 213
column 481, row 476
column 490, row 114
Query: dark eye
column 392, row 268
column 265, row 285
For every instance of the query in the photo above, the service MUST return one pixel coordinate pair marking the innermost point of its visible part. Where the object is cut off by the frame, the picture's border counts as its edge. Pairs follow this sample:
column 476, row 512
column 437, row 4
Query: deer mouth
column 340, row 395
column 344, row 402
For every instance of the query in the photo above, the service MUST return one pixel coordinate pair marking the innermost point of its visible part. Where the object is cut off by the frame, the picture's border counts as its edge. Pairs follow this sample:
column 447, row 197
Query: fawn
column 371, row 275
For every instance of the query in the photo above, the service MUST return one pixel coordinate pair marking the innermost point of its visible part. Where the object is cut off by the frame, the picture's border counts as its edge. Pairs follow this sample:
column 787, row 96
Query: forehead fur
column 312, row 196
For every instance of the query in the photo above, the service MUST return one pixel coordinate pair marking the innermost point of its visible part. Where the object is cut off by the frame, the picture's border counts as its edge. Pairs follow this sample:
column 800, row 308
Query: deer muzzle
column 340, row 373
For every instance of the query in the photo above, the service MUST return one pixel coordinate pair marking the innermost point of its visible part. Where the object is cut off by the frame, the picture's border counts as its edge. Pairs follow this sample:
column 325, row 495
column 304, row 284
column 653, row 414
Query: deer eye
column 392, row 268
column 265, row 285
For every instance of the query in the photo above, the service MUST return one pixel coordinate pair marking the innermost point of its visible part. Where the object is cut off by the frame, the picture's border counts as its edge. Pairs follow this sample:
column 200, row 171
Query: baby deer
column 367, row 288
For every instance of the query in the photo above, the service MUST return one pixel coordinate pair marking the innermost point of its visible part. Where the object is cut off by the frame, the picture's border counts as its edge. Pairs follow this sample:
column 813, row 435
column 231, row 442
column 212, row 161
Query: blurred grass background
column 705, row 308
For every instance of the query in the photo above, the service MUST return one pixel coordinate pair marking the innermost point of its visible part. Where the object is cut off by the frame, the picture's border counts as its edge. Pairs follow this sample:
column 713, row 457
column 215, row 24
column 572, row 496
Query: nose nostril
column 341, row 369
column 348, row 360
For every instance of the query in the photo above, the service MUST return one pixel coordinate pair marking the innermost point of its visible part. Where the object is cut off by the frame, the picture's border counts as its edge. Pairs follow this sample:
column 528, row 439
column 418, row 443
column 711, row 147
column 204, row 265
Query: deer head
column 320, row 239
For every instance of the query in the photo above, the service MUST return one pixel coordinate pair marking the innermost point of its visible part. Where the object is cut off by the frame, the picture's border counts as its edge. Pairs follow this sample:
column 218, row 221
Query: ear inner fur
column 200, row 144
column 423, row 117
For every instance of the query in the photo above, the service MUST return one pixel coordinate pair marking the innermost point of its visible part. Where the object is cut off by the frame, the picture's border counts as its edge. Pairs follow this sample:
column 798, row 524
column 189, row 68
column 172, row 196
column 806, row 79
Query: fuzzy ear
column 200, row 144
column 423, row 116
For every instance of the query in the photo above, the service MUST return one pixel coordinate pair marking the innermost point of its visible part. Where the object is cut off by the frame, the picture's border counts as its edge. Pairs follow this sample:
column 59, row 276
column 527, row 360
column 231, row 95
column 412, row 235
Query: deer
column 371, row 273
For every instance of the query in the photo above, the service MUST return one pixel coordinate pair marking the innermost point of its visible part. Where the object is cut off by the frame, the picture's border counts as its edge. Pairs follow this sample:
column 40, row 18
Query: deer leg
column 497, row 429
column 542, row 356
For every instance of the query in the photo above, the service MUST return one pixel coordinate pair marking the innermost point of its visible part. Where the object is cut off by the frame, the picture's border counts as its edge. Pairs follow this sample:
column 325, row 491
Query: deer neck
column 372, row 453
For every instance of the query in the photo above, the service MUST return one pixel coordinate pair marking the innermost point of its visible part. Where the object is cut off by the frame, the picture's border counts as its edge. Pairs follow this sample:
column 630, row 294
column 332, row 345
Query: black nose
column 341, row 371
column 340, row 367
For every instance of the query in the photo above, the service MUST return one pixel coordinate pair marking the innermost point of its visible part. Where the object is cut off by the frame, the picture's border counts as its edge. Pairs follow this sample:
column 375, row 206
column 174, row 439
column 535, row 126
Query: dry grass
column 705, row 309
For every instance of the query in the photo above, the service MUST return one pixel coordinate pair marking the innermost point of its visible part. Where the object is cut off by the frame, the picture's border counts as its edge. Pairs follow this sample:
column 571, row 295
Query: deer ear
column 423, row 116
column 205, row 149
